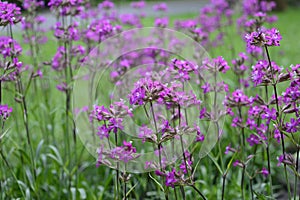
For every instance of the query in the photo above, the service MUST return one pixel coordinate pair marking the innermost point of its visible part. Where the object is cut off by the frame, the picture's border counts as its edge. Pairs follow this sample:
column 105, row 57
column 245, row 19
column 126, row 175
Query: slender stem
column 12, row 172
column 158, row 136
column 296, row 177
column 279, row 120
column 199, row 192
column 118, row 173
column 181, row 142
column 223, row 185
column 242, row 182
column 242, row 128
column 175, row 193
column 182, row 192
column 268, row 147
column 251, row 188
column 125, row 189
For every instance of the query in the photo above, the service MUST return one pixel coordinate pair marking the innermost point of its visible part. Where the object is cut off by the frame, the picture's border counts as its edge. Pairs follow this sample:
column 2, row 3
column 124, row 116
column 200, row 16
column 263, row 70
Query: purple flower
column 9, row 14
column 138, row 4
column 200, row 136
column 160, row 7
column 293, row 126
column 264, row 172
column 103, row 132
column 107, row 5
column 269, row 37
column 115, row 124
column 236, row 122
column 161, row 22
column 32, row 4
column 239, row 96
column 124, row 153
column 171, row 179
column 146, row 133
column 186, row 165
column 251, row 123
column 238, row 163
column 206, row 87
column 165, row 127
column 280, row 159
column 6, row 44
column 221, row 64
column 67, row 7
column 5, row 112
column 58, row 61
column 277, row 135
column 253, row 140
column 269, row 114
column 203, row 113
column 62, row 87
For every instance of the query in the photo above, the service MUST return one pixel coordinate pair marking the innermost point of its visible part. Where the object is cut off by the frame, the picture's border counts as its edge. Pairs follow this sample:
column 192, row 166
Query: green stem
column 242, row 182
column 223, row 185
column 279, row 121
column 199, row 192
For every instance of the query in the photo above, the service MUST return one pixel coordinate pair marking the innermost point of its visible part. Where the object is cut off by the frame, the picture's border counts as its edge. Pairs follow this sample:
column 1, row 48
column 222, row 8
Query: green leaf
column 156, row 181
column 215, row 162
column 131, row 189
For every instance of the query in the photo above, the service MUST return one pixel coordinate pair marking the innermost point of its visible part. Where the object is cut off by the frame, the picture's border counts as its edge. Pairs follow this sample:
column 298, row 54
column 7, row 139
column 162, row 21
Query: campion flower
column 106, row 5
column 293, row 125
column 146, row 134
column 262, row 73
column 5, row 112
column 200, row 137
column 138, row 4
column 253, row 140
column 268, row 37
column 218, row 64
column 10, row 13
column 113, row 114
column 67, row 7
column 277, row 135
column 145, row 90
column 186, row 165
column 98, row 30
column 31, row 5
column 103, row 132
column 6, row 44
column 238, row 98
column 251, row 7
column 171, row 179
column 161, row 22
column 229, row 149
column 160, row 7
column 269, row 114
column 58, row 61
column 287, row 159
column 124, row 153
column 131, row 20
column 264, row 172
column 70, row 33
column 206, row 88
column 239, row 66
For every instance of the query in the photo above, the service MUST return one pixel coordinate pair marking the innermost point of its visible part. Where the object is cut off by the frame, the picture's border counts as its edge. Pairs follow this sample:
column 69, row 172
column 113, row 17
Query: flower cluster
column 5, row 112
column 9, row 47
column 177, row 177
column 268, row 37
column 123, row 153
column 67, row 7
column 10, row 13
